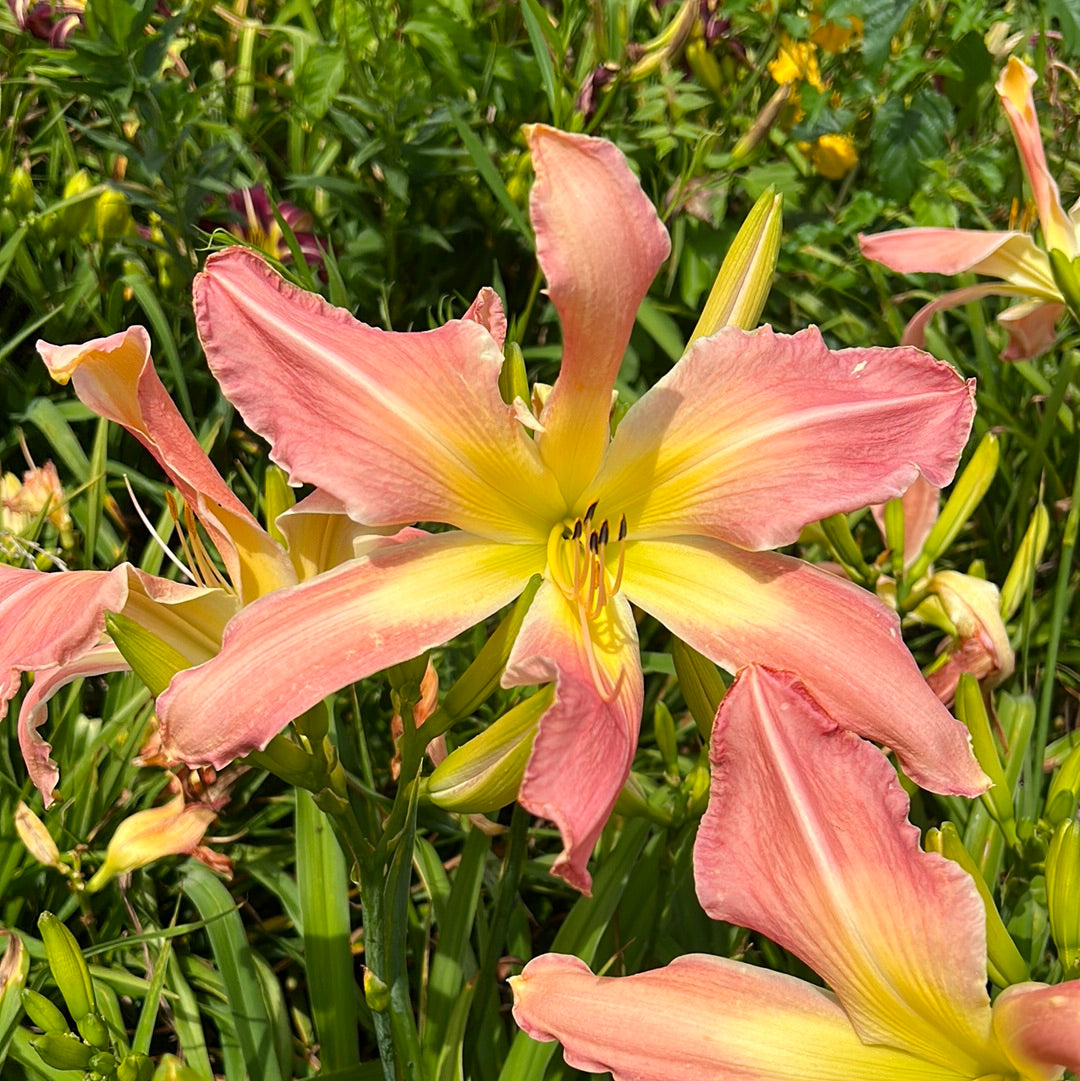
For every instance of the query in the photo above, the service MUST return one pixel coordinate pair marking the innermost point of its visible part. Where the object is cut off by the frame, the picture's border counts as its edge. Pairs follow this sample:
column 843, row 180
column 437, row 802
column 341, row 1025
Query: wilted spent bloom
column 51, row 22
column 255, row 223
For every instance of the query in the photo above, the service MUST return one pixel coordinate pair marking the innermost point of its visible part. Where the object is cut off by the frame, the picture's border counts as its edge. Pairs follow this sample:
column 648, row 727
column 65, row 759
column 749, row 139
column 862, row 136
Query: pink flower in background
column 748, row 438
column 51, row 22
column 1022, row 268
column 806, row 840
column 255, row 224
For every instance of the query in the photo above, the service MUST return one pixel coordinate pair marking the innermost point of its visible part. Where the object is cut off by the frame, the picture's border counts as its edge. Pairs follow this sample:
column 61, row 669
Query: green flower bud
column 701, row 685
column 135, row 1067
column 1067, row 275
column 966, row 495
column 376, row 992
column 20, row 193
column 1064, row 791
column 93, row 1030
column 1005, row 964
column 74, row 217
column 742, row 285
column 1022, row 572
column 485, row 774
column 68, row 965
column 43, row 1012
column 513, row 382
column 664, row 727
column 170, row 1068
column 112, row 216
column 62, row 1051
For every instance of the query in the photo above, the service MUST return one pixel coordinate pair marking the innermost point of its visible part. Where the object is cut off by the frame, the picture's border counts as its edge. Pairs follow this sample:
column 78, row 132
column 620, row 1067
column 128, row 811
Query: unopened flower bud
column 485, row 774
column 700, row 682
column 93, row 1030
column 966, row 495
column 971, row 711
column 1067, row 276
column 68, row 966
column 1022, row 572
column 62, row 1051
column 170, row 1068
column 155, row 662
column 664, row 728
column 45, row 1014
column 112, row 216
column 1004, row 962
column 742, row 285
column 20, row 193
column 1061, row 799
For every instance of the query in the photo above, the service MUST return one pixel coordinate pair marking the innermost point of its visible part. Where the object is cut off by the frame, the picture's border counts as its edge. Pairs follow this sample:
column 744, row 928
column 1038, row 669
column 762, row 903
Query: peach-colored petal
column 1039, row 1027
column 920, row 505
column 898, row 933
column 743, row 608
column 290, row 649
column 1013, row 257
column 321, row 535
column 400, row 427
column 37, row 754
column 702, row 1018
column 115, row 377
column 586, row 740
column 1014, row 88
column 599, row 243
column 487, row 310
column 752, row 435
column 1031, row 327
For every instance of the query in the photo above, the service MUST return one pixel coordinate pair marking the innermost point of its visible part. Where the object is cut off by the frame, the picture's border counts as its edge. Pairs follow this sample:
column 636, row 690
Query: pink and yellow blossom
column 1022, row 267
column 806, row 840
column 748, row 438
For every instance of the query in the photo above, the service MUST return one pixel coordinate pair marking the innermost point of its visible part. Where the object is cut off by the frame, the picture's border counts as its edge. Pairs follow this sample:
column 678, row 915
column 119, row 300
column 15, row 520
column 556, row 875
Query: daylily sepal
column 1067, row 275
column 154, row 661
column 1062, row 891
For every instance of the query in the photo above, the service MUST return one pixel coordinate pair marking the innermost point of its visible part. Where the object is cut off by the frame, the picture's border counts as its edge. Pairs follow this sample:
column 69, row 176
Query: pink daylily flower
column 53, row 624
column 1020, row 265
column 806, row 840
column 748, row 438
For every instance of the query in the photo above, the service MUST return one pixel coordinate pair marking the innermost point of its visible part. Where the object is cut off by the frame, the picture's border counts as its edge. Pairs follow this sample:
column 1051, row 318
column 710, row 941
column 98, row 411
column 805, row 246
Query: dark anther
column 604, row 533
column 591, row 511
column 577, row 530
column 594, row 542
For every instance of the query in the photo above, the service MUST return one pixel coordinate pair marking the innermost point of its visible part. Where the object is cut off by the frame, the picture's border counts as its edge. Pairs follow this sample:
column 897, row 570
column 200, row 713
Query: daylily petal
column 1039, row 1027
column 1014, row 88
column 320, row 533
column 702, row 1017
column 51, row 619
column 288, row 650
column 910, row 971
column 1030, row 328
column 487, row 310
column 400, row 427
column 599, row 243
column 115, row 377
column 586, row 739
column 1012, row 256
column 741, row 607
column 752, row 435
column 920, row 505
column 37, row 754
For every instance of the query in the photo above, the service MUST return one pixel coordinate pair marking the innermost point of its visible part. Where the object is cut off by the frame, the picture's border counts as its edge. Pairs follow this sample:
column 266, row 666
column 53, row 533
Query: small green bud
column 1064, row 791
column 62, row 1051
column 170, row 1068
column 664, row 727
column 74, row 217
column 1022, row 572
column 20, row 193
column 135, row 1067
column 43, row 1012
column 513, row 380
column 68, row 965
column 93, row 1030
column 103, row 1064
